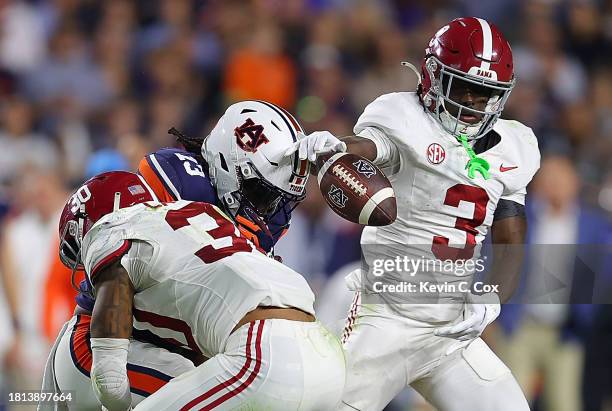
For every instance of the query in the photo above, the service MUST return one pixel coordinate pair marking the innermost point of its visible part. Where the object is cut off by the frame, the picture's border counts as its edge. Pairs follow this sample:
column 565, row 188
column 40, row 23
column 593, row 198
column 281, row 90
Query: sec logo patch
column 435, row 153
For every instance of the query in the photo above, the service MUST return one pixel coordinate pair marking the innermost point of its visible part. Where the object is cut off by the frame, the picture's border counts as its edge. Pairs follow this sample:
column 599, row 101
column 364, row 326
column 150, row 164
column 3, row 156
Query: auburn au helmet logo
column 250, row 136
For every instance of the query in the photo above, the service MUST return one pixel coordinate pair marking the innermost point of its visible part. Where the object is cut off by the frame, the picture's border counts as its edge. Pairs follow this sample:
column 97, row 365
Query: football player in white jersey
column 457, row 170
column 247, row 186
column 184, row 272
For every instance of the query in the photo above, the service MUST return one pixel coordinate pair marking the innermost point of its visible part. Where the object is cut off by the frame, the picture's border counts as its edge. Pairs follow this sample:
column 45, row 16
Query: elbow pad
column 109, row 377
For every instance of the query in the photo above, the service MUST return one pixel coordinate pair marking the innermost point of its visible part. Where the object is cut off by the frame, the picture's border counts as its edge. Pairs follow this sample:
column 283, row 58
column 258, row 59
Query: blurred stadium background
column 91, row 85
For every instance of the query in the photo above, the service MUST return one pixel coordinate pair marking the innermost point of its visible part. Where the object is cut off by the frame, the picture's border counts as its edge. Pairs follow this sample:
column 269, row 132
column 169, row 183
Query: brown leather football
column 356, row 189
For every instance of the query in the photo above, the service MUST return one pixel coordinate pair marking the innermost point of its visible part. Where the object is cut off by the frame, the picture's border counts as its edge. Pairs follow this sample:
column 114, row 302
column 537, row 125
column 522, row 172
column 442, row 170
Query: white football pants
column 385, row 352
column 266, row 365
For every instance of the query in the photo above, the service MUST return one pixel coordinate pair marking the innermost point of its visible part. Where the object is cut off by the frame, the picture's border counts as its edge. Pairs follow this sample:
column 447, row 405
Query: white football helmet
column 246, row 159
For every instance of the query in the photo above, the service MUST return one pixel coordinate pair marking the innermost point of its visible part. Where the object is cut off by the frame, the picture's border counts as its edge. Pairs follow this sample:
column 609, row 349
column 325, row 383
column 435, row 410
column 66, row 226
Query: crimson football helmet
column 471, row 50
column 98, row 196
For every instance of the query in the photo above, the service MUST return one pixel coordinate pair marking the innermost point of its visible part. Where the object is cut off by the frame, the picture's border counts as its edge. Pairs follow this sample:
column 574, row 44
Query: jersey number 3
column 225, row 229
column 454, row 195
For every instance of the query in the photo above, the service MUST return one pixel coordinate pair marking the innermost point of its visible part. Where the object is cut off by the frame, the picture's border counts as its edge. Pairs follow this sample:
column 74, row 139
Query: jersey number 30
column 454, row 195
column 225, row 229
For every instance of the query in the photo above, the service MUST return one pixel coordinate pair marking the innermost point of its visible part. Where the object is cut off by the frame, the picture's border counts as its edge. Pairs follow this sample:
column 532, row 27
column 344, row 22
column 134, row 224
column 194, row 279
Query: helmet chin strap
column 74, row 270
column 475, row 164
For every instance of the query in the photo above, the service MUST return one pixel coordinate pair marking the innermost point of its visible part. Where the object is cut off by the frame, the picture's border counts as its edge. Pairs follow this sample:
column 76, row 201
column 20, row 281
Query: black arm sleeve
column 508, row 208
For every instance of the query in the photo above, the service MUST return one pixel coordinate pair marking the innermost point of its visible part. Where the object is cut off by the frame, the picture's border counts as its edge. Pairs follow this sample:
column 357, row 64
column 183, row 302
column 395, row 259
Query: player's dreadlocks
column 191, row 144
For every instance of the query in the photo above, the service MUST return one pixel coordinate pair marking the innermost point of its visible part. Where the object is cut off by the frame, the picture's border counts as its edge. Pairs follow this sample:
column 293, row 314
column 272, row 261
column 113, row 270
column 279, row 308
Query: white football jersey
column 195, row 276
column 439, row 206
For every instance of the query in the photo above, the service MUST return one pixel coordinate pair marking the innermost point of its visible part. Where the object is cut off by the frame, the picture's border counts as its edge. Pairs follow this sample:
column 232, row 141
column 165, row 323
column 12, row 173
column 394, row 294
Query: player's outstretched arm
column 508, row 236
column 361, row 146
column 323, row 142
column 111, row 327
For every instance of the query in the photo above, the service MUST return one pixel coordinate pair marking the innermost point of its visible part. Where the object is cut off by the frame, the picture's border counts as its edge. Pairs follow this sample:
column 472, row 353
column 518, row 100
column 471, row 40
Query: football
column 356, row 189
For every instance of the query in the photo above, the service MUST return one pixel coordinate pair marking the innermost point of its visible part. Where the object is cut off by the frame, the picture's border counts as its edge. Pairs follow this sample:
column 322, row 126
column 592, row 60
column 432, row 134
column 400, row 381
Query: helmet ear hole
column 223, row 163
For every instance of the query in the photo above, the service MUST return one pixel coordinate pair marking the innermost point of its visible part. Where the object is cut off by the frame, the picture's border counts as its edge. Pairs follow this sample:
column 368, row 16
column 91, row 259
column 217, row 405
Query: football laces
column 346, row 176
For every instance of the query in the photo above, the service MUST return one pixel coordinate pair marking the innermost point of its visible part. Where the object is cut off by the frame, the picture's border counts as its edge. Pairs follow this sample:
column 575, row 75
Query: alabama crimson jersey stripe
column 118, row 253
column 173, row 324
column 169, row 344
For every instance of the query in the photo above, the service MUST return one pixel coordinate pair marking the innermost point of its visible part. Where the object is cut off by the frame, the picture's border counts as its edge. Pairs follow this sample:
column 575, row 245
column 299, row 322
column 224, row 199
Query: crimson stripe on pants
column 249, row 379
column 228, row 383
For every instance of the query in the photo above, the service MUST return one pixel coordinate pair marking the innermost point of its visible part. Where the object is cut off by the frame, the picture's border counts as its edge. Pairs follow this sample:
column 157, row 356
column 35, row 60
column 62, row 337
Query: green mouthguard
column 476, row 164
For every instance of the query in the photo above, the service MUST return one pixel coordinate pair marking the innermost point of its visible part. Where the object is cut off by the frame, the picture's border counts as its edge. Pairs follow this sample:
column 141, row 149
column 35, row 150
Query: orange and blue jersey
column 175, row 174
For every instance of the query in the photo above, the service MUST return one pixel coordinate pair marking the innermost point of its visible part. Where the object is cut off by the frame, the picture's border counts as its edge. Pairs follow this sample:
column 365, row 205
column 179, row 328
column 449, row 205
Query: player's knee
column 494, row 376
column 511, row 397
column 483, row 362
column 474, row 379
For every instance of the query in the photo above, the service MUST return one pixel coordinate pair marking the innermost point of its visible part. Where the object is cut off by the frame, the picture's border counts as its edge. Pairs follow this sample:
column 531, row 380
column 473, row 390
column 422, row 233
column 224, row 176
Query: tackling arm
column 111, row 327
column 508, row 236
column 361, row 146
column 375, row 133
column 371, row 144
column 322, row 142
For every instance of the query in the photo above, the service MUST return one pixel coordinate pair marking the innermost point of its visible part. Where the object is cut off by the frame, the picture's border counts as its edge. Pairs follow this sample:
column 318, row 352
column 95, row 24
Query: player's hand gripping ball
column 356, row 189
